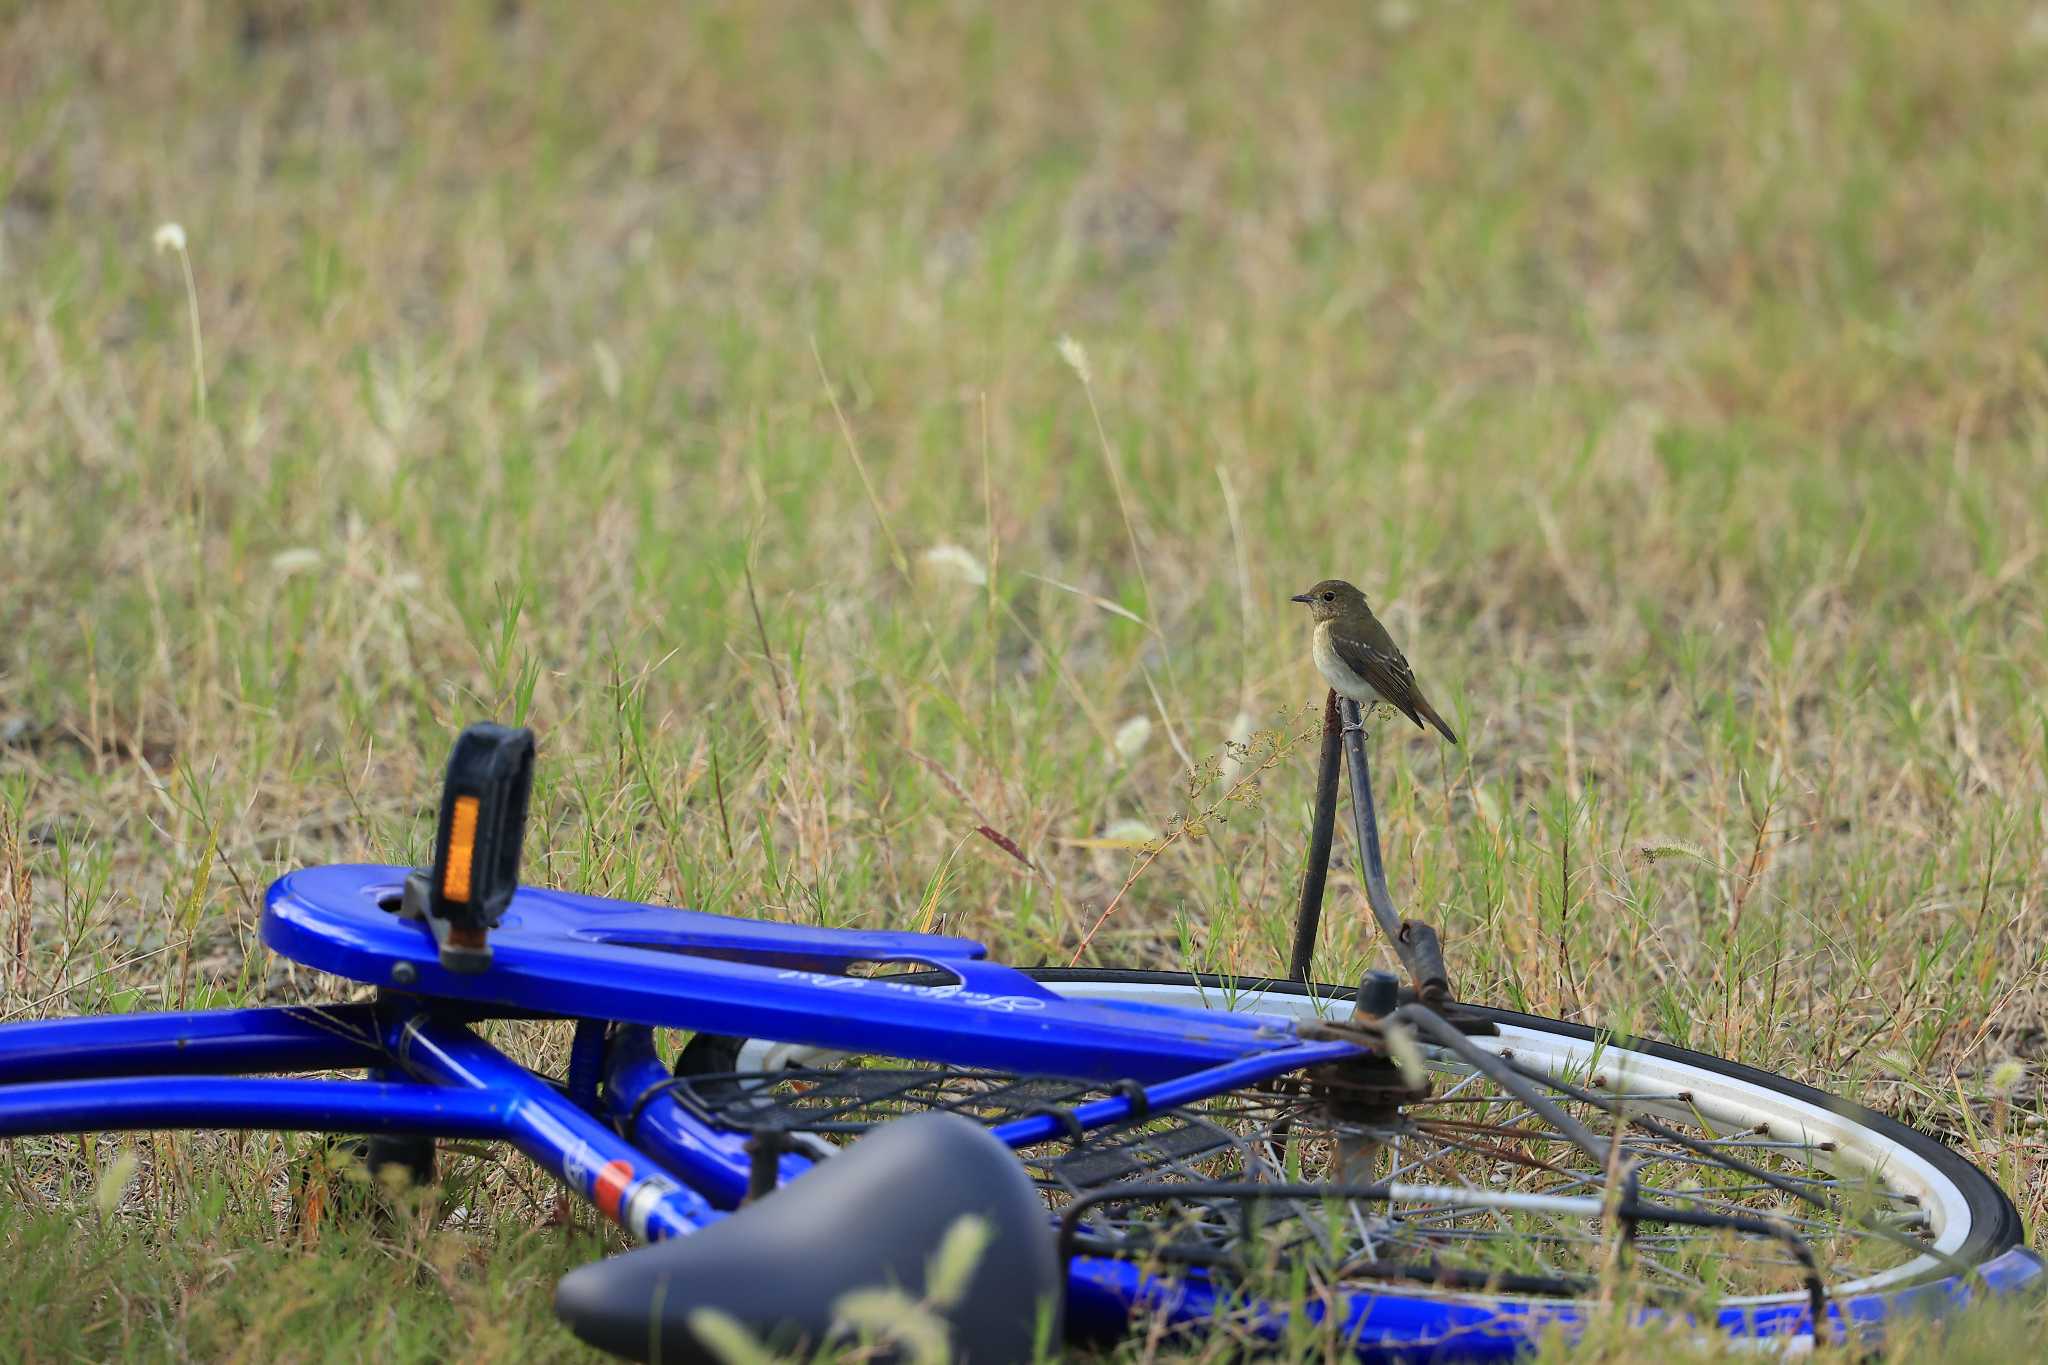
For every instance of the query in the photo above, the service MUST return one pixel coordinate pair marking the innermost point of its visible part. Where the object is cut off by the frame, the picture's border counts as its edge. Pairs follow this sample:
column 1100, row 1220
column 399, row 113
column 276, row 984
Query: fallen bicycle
column 1413, row 1176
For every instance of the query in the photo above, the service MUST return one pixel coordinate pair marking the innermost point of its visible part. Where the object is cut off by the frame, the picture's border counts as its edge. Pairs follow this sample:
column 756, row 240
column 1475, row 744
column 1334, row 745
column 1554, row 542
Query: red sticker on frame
column 611, row 1182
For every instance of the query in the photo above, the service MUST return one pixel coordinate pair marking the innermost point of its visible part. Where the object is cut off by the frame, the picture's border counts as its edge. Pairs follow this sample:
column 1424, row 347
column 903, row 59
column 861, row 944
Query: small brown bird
column 1357, row 657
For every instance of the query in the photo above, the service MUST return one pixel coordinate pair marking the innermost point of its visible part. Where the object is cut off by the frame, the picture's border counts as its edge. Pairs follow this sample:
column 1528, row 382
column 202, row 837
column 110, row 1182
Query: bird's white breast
column 1336, row 672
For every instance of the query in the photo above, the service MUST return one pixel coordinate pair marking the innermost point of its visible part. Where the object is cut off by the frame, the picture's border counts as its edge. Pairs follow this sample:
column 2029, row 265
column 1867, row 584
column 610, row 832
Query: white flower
column 1240, row 735
column 115, row 1181
column 956, row 561
column 1130, row 831
column 1131, row 737
column 289, row 562
column 1076, row 357
column 170, row 237
column 608, row 377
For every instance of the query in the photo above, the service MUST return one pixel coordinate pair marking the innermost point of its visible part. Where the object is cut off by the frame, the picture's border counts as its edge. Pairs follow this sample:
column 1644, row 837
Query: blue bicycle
column 1377, row 1166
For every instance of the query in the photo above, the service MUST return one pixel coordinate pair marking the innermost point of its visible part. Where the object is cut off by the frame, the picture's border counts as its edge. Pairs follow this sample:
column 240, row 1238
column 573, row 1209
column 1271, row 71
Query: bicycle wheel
column 1478, row 1207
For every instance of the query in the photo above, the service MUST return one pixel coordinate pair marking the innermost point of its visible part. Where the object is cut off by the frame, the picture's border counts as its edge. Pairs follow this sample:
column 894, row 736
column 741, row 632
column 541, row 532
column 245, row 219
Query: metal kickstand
column 1414, row 942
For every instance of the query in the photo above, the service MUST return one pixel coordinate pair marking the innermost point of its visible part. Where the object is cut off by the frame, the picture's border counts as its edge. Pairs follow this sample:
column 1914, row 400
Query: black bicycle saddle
column 869, row 1217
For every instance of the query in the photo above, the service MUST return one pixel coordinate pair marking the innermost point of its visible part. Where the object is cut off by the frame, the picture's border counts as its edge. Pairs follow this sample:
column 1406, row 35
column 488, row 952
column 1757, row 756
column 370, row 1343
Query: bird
column 1359, row 659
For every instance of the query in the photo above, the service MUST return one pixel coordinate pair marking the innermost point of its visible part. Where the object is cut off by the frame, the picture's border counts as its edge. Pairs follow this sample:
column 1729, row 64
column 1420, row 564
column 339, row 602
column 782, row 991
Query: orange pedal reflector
column 461, row 849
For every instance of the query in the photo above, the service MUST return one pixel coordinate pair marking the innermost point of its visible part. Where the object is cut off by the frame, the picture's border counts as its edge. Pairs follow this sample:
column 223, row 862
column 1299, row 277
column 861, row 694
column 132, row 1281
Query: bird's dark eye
column 1329, row 597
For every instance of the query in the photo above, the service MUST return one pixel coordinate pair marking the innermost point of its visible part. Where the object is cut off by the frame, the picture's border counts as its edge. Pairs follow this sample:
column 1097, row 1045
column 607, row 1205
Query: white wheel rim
column 1726, row 1101
column 1721, row 1099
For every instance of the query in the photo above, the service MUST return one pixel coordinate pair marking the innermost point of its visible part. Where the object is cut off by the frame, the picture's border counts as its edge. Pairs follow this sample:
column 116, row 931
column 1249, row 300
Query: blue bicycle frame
column 613, row 1133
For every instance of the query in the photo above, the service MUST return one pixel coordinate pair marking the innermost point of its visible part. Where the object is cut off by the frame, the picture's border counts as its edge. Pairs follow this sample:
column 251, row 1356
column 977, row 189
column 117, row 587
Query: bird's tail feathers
column 1429, row 714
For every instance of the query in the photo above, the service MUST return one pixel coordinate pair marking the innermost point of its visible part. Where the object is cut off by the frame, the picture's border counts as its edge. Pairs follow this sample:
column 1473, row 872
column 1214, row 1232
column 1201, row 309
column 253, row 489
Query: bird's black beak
column 1303, row 597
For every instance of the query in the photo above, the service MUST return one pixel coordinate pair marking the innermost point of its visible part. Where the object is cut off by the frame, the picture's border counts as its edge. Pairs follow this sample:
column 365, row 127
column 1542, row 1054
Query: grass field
column 687, row 382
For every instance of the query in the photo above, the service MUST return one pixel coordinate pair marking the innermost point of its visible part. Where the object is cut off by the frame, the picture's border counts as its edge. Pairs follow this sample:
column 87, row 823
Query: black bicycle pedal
column 476, row 845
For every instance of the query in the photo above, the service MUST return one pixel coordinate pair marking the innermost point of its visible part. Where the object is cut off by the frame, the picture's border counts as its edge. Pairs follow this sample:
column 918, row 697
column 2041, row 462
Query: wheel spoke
column 1502, row 1170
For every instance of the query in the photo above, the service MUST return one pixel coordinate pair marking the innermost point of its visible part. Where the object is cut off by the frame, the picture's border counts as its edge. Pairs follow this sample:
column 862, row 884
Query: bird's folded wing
column 1383, row 667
